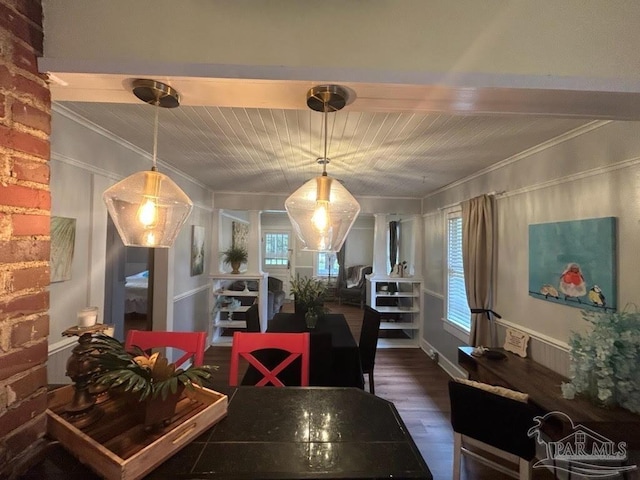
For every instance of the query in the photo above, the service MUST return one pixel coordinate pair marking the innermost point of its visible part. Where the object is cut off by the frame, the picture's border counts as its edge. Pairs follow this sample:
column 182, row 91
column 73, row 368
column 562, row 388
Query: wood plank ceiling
column 274, row 150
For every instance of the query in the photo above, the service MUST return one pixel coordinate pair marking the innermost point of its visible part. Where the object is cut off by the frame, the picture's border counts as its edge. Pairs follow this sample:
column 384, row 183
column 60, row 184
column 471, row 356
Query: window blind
column 457, row 306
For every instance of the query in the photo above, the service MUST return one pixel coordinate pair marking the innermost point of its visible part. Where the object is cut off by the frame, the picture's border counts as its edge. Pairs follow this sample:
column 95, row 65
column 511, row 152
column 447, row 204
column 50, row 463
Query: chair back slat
column 368, row 343
column 192, row 343
column 252, row 317
column 246, row 343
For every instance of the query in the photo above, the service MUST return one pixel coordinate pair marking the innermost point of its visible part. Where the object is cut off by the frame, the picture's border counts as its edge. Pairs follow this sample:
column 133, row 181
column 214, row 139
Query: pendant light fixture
column 148, row 208
column 322, row 211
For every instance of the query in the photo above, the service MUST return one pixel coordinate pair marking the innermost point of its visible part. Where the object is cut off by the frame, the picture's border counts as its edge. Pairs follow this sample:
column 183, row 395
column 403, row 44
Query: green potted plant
column 309, row 296
column 151, row 379
column 235, row 256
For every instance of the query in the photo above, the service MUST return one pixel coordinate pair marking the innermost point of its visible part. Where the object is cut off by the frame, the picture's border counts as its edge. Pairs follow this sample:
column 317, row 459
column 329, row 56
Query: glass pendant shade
column 322, row 212
column 148, row 209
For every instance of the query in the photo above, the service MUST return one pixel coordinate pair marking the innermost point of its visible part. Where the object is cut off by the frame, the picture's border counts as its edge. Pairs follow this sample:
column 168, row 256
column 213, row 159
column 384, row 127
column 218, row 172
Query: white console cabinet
column 222, row 317
column 399, row 300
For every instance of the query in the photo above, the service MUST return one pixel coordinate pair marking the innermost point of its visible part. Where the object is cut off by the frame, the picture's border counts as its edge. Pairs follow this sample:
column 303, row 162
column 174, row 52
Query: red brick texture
column 30, row 224
column 29, row 170
column 25, row 208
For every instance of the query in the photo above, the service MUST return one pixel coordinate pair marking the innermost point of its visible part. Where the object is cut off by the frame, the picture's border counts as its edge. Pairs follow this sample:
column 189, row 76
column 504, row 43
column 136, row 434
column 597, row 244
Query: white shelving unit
column 220, row 316
column 400, row 309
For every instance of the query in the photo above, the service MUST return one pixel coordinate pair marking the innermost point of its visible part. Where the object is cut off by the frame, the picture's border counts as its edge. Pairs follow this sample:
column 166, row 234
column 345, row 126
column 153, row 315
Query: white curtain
column 477, row 257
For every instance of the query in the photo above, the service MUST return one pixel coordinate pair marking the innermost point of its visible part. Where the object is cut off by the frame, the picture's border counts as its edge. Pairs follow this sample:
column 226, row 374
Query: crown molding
column 576, row 132
column 80, row 120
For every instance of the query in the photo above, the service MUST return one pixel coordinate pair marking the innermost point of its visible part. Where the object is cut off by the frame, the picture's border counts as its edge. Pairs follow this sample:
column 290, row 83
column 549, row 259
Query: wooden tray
column 117, row 446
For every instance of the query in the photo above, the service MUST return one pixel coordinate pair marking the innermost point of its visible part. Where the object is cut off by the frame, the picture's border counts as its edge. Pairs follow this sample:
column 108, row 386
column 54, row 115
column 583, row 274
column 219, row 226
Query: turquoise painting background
column 589, row 243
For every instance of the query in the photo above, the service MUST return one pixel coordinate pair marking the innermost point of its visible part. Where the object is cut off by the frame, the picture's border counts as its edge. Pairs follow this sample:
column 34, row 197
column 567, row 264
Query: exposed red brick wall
column 25, row 205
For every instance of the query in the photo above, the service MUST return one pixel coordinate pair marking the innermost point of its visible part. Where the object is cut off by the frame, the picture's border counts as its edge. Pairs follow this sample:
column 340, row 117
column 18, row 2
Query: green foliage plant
column 309, row 292
column 235, row 254
column 145, row 376
column 604, row 362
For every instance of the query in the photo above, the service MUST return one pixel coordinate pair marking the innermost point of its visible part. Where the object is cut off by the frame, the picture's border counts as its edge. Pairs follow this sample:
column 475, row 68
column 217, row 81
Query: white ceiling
column 391, row 140
column 274, row 150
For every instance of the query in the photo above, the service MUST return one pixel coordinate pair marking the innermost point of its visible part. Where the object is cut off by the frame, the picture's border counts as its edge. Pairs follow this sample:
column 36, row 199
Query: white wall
column 359, row 243
column 407, row 242
column 594, row 172
column 67, row 297
column 566, row 44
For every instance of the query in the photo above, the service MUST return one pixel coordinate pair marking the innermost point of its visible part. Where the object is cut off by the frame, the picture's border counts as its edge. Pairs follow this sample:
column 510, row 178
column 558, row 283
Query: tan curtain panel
column 477, row 258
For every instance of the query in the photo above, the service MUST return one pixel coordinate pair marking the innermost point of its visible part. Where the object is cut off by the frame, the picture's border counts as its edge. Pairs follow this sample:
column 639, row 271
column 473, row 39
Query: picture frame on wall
column 239, row 235
column 573, row 263
column 197, row 250
column 63, row 238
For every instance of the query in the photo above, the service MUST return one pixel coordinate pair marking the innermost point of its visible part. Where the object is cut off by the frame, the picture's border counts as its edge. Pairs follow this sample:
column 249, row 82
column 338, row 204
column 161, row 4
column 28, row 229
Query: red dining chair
column 246, row 343
column 192, row 343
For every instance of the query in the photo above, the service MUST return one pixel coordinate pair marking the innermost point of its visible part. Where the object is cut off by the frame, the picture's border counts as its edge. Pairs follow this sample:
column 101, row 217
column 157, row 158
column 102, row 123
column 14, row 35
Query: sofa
column 275, row 294
column 352, row 284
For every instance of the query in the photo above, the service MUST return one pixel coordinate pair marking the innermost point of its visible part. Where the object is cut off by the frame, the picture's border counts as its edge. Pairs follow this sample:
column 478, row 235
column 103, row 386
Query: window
column 327, row 264
column 457, row 315
column 276, row 249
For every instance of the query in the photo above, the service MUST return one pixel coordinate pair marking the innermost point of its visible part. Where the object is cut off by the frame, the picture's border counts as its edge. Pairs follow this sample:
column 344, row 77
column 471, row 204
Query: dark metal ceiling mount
column 155, row 93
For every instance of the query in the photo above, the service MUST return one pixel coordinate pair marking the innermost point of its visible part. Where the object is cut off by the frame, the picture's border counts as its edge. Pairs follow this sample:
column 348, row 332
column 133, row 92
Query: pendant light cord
column 326, row 135
column 155, row 138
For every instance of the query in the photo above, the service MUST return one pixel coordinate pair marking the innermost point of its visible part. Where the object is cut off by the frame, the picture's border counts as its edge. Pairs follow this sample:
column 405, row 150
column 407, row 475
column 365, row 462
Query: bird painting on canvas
column 572, row 282
column 549, row 291
column 597, row 297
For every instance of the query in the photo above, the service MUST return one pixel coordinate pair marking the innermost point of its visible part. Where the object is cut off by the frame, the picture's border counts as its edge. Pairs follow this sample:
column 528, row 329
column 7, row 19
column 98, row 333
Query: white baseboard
column 452, row 369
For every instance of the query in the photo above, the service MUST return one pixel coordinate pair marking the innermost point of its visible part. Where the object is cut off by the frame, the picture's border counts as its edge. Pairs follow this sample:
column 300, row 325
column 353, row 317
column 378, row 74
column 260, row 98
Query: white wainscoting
column 546, row 351
column 59, row 353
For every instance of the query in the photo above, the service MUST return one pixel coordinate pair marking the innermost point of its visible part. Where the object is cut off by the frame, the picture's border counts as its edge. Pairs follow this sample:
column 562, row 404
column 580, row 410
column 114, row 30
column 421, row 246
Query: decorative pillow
column 503, row 392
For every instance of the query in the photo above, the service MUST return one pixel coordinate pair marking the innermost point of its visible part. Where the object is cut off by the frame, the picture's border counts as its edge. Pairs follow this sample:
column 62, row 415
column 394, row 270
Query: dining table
column 334, row 354
column 283, row 433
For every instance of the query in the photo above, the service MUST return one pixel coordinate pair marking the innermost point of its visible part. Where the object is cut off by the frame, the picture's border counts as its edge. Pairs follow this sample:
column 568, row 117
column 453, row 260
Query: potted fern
column 151, row 379
column 235, row 256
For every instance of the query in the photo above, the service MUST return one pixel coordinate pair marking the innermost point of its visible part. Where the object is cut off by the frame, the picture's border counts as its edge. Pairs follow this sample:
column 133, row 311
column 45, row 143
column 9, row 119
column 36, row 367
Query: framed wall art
column 574, row 263
column 63, row 238
column 240, row 232
column 197, row 250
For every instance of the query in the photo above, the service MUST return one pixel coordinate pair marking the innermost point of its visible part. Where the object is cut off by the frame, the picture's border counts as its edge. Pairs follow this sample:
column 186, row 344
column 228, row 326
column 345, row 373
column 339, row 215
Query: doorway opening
column 128, row 285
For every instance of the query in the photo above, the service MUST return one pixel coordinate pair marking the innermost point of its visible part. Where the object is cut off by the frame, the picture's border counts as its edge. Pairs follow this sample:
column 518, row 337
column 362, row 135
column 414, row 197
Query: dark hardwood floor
column 418, row 388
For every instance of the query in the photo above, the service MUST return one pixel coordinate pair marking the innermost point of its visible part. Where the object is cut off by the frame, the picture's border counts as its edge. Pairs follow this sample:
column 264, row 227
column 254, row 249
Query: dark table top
column 297, row 432
column 283, row 433
column 336, row 365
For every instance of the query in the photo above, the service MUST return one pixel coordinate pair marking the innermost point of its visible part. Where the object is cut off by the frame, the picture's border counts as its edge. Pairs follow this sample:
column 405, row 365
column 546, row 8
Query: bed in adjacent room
column 136, row 287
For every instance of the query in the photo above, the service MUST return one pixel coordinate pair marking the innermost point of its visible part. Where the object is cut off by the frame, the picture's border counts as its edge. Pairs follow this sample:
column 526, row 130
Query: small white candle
column 87, row 317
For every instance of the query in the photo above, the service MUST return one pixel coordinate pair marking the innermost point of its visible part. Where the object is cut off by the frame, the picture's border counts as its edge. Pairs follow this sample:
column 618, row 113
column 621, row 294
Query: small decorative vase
column 235, row 267
column 311, row 318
